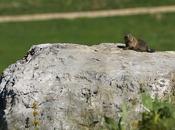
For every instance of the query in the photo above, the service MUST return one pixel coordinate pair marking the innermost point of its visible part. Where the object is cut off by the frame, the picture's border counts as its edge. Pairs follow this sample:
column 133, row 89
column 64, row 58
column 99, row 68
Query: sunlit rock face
column 72, row 87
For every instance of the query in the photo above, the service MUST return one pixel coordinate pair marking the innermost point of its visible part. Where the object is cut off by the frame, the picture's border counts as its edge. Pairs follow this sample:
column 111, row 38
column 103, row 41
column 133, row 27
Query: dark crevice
column 30, row 53
column 1, row 77
column 3, row 102
column 3, row 122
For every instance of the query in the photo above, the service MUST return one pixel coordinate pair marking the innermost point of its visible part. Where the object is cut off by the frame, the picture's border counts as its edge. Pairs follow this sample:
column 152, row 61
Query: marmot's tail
column 150, row 50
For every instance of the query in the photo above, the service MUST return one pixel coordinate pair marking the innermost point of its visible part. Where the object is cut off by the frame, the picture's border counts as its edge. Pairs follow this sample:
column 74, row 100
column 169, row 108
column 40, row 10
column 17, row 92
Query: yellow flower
column 36, row 123
column 34, row 105
column 35, row 113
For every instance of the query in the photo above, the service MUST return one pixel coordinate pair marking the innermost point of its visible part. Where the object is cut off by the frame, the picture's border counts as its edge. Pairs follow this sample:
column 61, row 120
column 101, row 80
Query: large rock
column 71, row 87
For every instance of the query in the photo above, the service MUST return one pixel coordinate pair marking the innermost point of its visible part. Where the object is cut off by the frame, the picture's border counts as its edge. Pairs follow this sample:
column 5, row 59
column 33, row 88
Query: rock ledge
column 68, row 82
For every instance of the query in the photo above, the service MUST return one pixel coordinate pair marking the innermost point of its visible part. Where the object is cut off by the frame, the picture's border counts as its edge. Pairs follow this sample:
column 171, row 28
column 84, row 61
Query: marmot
column 133, row 43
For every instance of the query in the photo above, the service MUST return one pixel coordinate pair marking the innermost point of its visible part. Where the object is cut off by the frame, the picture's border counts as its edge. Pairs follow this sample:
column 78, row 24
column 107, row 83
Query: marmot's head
column 128, row 38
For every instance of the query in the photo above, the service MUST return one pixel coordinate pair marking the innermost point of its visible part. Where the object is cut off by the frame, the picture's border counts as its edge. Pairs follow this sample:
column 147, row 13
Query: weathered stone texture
column 75, row 85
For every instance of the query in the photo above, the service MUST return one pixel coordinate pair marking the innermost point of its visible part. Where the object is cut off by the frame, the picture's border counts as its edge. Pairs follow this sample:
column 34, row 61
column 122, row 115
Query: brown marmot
column 133, row 43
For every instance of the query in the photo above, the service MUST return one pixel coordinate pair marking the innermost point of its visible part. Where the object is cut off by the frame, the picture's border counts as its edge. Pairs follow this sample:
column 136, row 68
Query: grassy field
column 16, row 38
column 10, row 7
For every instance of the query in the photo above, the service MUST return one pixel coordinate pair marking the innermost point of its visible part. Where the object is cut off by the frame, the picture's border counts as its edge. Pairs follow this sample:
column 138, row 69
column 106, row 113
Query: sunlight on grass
column 17, row 38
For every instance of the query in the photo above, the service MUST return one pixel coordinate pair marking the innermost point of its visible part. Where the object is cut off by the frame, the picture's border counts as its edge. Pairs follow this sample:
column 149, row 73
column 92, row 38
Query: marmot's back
column 133, row 43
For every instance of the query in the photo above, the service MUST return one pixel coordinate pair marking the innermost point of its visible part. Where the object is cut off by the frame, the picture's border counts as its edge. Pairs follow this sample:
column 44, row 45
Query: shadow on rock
column 3, row 122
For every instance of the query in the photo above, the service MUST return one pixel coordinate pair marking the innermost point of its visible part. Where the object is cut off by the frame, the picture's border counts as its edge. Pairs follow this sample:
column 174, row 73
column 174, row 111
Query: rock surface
column 71, row 87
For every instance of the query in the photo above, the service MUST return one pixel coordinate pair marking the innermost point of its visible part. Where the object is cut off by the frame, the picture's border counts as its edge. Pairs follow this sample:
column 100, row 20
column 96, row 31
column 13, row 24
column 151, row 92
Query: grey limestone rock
column 70, row 86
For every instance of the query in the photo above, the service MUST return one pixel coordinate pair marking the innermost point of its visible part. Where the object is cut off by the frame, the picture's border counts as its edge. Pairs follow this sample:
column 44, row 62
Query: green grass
column 161, row 114
column 11, row 7
column 16, row 38
column 158, row 115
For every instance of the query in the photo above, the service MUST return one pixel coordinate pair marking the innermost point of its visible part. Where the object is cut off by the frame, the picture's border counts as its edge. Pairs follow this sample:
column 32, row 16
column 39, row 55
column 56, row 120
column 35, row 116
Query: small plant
column 159, row 115
column 111, row 124
column 35, row 114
